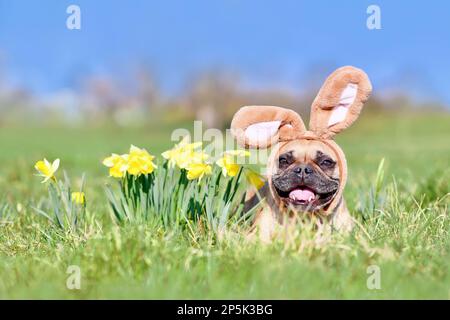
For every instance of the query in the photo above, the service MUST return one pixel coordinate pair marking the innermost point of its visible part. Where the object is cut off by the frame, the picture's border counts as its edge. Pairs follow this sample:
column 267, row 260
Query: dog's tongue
column 302, row 195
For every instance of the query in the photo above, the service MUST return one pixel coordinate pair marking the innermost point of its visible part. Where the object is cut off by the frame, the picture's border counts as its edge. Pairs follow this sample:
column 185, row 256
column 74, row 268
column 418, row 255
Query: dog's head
column 307, row 170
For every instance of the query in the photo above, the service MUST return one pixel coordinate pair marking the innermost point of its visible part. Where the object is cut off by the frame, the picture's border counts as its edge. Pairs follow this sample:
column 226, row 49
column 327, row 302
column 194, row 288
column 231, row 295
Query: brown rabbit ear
column 339, row 101
column 262, row 126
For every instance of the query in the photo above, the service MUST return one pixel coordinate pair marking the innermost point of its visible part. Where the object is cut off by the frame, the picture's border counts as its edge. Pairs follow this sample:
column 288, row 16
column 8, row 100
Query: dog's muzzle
column 305, row 188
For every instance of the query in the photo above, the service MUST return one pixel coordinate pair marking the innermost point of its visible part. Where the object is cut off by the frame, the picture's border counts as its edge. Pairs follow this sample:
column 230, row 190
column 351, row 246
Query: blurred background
column 137, row 69
column 135, row 60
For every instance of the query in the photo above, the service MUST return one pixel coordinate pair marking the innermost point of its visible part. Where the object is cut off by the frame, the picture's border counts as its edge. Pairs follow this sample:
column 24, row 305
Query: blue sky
column 268, row 42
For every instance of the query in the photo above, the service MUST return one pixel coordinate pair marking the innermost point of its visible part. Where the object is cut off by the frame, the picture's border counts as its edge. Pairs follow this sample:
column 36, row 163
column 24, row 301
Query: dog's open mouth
column 302, row 195
column 306, row 197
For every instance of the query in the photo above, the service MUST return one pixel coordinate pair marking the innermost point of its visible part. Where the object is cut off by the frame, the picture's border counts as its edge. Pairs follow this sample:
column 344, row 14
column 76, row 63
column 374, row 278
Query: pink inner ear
column 261, row 132
column 347, row 98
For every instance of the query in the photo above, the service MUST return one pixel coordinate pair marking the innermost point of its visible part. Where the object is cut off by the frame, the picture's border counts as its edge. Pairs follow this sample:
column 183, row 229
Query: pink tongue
column 302, row 195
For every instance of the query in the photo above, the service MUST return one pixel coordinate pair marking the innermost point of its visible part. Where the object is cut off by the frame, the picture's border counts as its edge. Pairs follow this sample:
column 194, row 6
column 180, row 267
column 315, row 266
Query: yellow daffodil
column 47, row 169
column 196, row 157
column 140, row 161
column 184, row 153
column 78, row 198
column 238, row 153
column 117, row 165
column 255, row 179
column 229, row 167
column 185, row 159
column 198, row 170
column 228, row 164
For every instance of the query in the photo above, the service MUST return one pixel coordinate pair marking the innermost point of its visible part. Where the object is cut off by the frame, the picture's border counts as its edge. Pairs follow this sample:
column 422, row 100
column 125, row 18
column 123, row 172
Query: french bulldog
column 306, row 169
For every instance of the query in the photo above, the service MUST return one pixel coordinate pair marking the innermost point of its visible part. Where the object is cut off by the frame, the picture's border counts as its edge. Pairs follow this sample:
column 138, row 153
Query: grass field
column 403, row 226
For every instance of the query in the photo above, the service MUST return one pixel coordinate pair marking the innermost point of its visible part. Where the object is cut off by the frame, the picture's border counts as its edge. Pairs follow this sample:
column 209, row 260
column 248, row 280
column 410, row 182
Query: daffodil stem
column 236, row 183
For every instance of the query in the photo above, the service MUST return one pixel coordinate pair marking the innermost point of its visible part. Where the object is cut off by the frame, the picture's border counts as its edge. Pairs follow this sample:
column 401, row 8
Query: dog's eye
column 283, row 161
column 326, row 163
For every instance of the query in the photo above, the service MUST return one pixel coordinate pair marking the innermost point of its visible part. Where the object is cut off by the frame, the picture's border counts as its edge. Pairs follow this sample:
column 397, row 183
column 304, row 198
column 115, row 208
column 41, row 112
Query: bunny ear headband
column 336, row 106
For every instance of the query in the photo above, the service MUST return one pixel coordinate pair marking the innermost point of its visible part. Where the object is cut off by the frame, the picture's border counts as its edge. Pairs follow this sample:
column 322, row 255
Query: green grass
column 404, row 229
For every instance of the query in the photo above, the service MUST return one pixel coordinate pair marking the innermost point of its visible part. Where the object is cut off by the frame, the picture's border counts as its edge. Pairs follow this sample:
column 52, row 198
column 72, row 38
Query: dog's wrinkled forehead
column 303, row 150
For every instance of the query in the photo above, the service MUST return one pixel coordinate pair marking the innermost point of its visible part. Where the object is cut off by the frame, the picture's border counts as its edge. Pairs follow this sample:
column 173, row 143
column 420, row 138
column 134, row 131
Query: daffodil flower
column 117, row 165
column 228, row 163
column 238, row 153
column 186, row 158
column 184, row 153
column 229, row 167
column 197, row 157
column 46, row 169
column 140, row 161
column 78, row 198
column 198, row 170
column 255, row 179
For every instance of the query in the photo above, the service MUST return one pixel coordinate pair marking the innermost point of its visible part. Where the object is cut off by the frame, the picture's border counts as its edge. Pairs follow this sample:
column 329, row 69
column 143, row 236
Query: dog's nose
column 303, row 169
column 308, row 170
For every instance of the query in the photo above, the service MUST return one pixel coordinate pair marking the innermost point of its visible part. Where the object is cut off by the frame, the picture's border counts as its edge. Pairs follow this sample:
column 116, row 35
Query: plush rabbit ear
column 262, row 126
column 339, row 101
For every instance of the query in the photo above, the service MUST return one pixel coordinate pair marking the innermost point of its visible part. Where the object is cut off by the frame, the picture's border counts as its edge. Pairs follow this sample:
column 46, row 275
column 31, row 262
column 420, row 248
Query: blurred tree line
column 212, row 96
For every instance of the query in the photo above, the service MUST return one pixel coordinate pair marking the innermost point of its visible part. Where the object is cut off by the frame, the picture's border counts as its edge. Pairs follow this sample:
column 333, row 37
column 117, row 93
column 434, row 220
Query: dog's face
column 305, row 175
